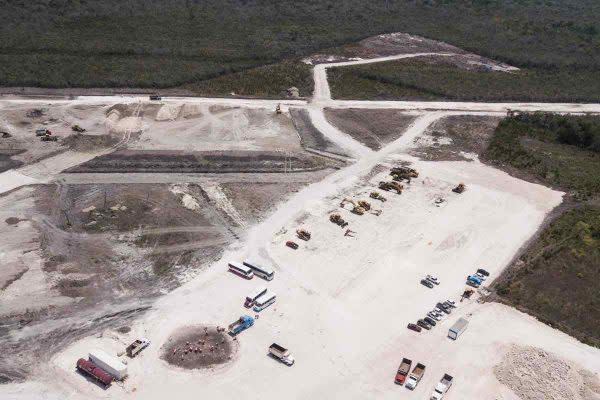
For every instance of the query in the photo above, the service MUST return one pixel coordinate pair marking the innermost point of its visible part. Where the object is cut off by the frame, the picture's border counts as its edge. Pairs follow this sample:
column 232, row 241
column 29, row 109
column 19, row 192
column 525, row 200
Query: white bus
column 251, row 298
column 264, row 301
column 241, row 270
column 260, row 270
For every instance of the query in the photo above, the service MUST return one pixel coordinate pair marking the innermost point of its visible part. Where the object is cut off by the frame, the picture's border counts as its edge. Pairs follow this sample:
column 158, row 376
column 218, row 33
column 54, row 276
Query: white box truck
column 458, row 328
column 110, row 364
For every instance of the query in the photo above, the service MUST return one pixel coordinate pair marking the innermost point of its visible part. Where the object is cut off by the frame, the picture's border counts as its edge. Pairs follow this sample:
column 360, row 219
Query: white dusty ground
column 343, row 303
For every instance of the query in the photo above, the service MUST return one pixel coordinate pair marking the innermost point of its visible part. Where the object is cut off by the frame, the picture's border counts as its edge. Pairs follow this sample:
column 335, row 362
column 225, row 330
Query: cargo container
column 458, row 328
column 110, row 364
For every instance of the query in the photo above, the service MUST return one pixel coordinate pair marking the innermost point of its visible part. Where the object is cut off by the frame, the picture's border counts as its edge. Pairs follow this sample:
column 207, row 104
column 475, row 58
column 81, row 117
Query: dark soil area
column 6, row 160
column 200, row 162
column 373, row 128
column 556, row 277
column 198, row 347
column 83, row 142
column 468, row 134
column 311, row 137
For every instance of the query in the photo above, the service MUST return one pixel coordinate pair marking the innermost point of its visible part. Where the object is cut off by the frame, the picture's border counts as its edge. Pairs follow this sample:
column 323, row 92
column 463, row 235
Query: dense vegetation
column 558, row 150
column 557, row 278
column 161, row 43
column 419, row 80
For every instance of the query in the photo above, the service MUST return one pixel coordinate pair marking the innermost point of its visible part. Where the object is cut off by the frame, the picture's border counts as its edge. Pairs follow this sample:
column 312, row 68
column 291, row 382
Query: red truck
column 89, row 368
column 403, row 370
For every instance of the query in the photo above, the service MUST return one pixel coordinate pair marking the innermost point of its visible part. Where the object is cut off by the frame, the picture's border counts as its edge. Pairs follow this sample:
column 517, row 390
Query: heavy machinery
column 77, row 128
column 460, row 188
column 303, row 234
column 387, row 186
column 357, row 208
column 403, row 173
column 338, row 220
column 42, row 132
column 155, row 97
column 278, row 109
column 48, row 138
column 377, row 196
column 243, row 323
column 138, row 345
column 282, row 354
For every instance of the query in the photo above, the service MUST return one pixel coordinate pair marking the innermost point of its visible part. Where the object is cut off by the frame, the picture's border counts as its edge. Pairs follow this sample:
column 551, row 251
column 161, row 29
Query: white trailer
column 458, row 328
column 110, row 364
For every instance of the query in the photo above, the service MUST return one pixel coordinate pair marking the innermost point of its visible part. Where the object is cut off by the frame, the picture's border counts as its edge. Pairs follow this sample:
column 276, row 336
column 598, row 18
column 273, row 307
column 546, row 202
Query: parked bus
column 241, row 270
column 251, row 298
column 260, row 270
column 264, row 301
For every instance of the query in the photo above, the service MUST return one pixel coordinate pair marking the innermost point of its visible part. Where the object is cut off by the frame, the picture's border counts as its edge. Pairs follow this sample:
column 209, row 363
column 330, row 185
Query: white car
column 433, row 315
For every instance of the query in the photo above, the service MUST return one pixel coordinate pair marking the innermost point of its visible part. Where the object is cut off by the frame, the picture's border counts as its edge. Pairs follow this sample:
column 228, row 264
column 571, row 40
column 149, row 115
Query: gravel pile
column 534, row 374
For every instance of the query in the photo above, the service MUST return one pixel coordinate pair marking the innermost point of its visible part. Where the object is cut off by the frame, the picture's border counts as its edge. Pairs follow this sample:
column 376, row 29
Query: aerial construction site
column 303, row 248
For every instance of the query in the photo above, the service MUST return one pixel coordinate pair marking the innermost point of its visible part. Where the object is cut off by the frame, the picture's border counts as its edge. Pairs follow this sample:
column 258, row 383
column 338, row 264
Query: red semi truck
column 89, row 368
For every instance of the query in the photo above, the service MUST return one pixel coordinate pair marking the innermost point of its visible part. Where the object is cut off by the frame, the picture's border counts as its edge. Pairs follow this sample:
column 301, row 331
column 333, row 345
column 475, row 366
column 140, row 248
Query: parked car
column 423, row 324
column 430, row 321
column 291, row 244
column 452, row 303
column 481, row 276
column 414, row 327
column 427, row 283
column 483, row 272
column 433, row 279
column 473, row 284
column 444, row 308
column 434, row 316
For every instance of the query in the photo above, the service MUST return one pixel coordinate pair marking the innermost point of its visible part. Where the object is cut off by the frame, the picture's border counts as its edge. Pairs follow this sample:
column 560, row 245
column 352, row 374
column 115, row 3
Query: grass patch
column 117, row 43
column 556, row 279
column 538, row 146
column 420, row 80
column 266, row 81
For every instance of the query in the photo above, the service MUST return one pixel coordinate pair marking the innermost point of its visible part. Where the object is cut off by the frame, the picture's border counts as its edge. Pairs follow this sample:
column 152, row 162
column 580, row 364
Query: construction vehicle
column 138, row 345
column 460, row 188
column 108, row 363
column 243, row 323
column 338, row 220
column 278, row 109
column 442, row 387
column 77, row 128
column 155, row 97
column 292, row 245
column 403, row 173
column 377, row 196
column 376, row 212
column 42, row 132
column 403, row 371
column 356, row 207
column 5, row 134
column 303, row 234
column 387, row 186
column 458, row 328
column 364, row 204
column 49, row 138
column 92, row 370
column 282, row 354
column 467, row 294
column 415, row 376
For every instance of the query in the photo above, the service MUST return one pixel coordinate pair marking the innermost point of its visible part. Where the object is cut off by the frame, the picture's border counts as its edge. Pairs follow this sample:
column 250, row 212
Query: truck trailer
column 458, row 328
column 110, row 364
column 92, row 370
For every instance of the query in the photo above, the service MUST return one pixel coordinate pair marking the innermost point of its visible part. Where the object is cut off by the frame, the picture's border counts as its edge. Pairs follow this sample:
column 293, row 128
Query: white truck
column 282, row 354
column 415, row 376
column 458, row 328
column 442, row 387
column 138, row 345
column 110, row 364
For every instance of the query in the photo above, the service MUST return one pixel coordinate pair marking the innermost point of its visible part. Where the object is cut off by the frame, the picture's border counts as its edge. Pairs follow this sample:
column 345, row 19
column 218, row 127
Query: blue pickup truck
column 244, row 322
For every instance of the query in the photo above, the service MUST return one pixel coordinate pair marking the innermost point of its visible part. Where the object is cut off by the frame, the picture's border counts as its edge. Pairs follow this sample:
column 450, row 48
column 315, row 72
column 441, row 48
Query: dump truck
column 155, row 96
column 303, row 234
column 282, row 354
column 110, row 364
column 77, row 128
column 403, row 371
column 387, row 186
column 42, row 132
column 415, row 376
column 138, row 345
column 244, row 322
column 377, row 196
column 458, row 328
column 442, row 387
column 89, row 368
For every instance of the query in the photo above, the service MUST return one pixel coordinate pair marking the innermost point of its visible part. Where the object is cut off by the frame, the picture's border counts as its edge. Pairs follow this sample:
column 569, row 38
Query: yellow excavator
column 387, row 186
column 356, row 207
column 403, row 173
column 460, row 188
column 303, row 234
column 338, row 220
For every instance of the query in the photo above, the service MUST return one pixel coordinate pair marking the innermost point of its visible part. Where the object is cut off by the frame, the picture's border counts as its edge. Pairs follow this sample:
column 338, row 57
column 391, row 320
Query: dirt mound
column 534, row 374
column 197, row 347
